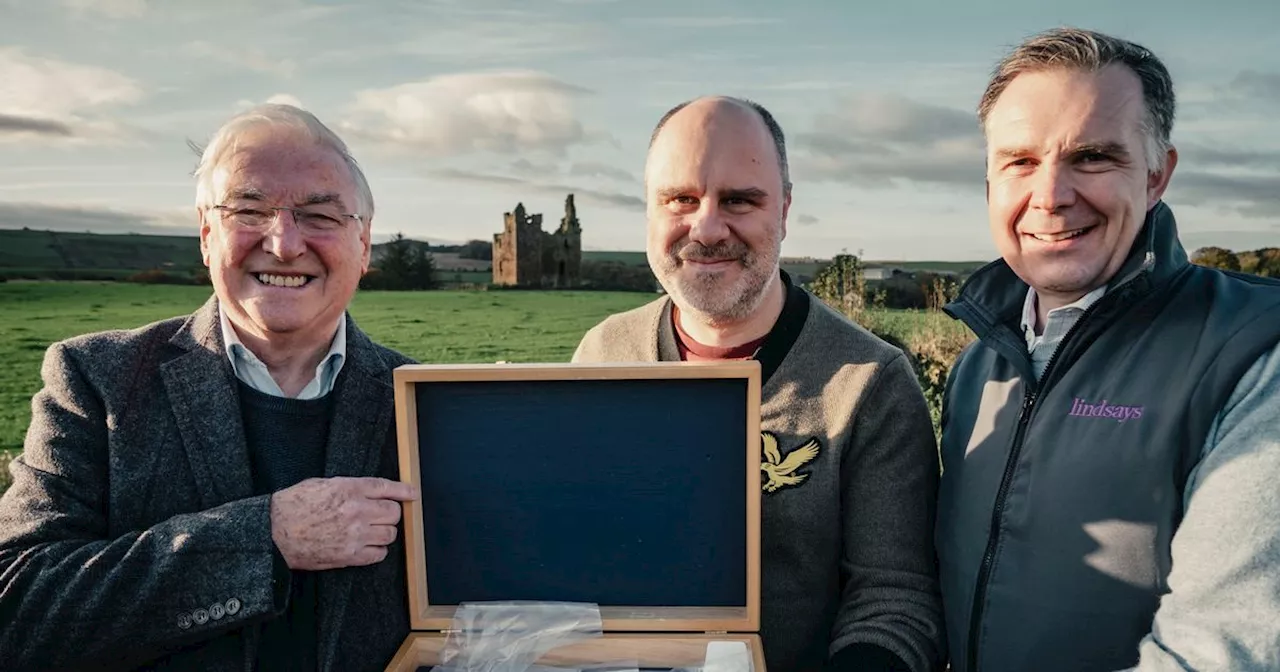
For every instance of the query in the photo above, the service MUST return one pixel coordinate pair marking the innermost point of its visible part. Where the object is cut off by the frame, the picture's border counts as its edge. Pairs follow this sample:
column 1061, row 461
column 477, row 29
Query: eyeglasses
column 310, row 221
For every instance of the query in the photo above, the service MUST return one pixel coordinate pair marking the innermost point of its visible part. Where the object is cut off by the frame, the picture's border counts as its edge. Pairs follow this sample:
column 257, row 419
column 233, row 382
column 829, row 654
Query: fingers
column 384, row 512
column 381, row 535
column 369, row 555
column 376, row 540
column 381, row 488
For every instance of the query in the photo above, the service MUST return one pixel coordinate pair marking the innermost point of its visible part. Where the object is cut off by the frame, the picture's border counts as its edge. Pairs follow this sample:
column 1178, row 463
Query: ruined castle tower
column 525, row 255
column 517, row 251
column 564, row 268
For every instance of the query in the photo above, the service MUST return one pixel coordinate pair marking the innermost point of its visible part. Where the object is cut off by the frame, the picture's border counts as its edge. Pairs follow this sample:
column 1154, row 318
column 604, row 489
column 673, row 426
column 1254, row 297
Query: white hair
column 224, row 143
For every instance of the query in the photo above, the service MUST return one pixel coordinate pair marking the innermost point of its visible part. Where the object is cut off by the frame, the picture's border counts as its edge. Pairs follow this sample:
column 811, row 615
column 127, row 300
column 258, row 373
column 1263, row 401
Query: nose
column 1052, row 188
column 283, row 239
column 707, row 225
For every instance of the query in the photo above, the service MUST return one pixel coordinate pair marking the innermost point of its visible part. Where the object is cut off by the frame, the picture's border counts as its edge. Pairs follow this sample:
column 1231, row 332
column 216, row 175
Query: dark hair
column 1092, row 51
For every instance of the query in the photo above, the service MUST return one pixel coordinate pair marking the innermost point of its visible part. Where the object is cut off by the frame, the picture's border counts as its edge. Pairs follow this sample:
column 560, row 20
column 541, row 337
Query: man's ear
column 366, row 246
column 786, row 208
column 205, row 232
column 1157, row 182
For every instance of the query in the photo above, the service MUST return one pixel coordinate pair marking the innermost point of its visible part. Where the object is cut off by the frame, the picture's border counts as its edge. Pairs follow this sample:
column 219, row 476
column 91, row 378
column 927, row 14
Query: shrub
column 1216, row 257
column 932, row 341
column 403, row 265
column 617, row 276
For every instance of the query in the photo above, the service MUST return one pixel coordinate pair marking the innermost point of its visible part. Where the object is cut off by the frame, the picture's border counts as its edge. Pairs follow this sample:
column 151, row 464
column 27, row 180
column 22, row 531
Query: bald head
column 731, row 114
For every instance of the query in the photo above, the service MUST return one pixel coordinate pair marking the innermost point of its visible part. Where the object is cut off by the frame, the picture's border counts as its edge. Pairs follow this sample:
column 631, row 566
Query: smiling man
column 1111, row 444
column 849, row 465
column 219, row 491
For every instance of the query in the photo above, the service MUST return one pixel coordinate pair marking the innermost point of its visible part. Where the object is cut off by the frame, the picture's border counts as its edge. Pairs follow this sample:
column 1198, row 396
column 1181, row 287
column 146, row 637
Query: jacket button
column 184, row 621
column 200, row 616
column 233, row 606
column 217, row 611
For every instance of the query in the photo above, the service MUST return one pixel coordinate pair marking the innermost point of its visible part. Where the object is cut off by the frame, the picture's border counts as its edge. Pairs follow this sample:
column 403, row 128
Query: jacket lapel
column 664, row 347
column 363, row 412
column 202, row 395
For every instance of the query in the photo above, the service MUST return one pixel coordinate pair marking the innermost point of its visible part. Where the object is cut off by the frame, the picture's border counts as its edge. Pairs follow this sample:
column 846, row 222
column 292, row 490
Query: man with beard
column 850, row 468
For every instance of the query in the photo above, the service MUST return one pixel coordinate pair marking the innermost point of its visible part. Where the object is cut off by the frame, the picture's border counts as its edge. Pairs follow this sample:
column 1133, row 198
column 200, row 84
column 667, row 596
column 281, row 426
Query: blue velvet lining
column 601, row 491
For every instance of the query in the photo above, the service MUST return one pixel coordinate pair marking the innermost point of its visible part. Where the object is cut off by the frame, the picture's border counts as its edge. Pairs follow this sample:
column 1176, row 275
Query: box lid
column 633, row 486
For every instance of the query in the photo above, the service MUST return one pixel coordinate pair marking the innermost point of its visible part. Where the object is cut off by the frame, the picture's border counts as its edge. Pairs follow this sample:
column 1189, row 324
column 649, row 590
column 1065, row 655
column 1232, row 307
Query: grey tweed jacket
column 130, row 538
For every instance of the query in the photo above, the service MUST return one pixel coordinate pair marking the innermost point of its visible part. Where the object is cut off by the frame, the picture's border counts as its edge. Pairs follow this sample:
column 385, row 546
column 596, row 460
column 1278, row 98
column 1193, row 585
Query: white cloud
column 247, row 57
column 46, row 99
column 96, row 218
column 285, row 99
column 605, row 198
column 277, row 99
column 501, row 112
column 111, row 9
column 601, row 170
column 492, row 43
column 892, row 117
column 877, row 140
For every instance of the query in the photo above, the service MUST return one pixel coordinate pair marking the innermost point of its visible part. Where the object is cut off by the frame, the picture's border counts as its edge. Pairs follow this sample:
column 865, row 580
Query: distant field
column 25, row 249
column 440, row 326
column 932, row 266
column 448, row 262
column 89, row 256
column 631, row 258
column 451, row 277
column 443, row 326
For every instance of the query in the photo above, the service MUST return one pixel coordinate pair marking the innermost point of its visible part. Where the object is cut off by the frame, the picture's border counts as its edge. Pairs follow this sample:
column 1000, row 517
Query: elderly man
column 848, row 566
column 219, row 491
column 1111, row 444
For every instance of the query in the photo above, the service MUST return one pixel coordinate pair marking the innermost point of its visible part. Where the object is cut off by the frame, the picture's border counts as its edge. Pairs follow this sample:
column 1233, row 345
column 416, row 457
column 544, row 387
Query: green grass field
column 444, row 326
column 438, row 326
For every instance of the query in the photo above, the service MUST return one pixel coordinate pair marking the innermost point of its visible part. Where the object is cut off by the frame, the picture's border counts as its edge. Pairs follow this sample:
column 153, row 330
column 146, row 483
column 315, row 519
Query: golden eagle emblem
column 782, row 472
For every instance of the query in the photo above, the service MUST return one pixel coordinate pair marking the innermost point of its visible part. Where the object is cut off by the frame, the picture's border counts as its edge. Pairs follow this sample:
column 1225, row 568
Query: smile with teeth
column 1064, row 235
column 282, row 280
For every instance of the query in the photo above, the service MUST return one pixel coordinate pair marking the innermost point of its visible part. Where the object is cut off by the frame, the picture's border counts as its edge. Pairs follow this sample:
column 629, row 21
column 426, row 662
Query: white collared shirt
column 1056, row 325
column 254, row 373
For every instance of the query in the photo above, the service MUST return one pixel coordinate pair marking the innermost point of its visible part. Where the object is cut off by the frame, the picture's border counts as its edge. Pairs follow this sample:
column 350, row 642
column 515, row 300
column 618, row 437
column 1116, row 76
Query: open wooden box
column 635, row 487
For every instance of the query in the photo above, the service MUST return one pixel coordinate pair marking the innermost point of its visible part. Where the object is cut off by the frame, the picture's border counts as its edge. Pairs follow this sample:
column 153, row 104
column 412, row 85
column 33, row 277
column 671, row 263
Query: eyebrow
column 667, row 193
column 255, row 194
column 1109, row 148
column 746, row 193
column 246, row 194
column 321, row 199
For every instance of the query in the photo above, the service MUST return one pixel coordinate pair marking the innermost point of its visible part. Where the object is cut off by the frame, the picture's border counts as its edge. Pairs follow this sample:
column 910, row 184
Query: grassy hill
column 24, row 251
column 89, row 256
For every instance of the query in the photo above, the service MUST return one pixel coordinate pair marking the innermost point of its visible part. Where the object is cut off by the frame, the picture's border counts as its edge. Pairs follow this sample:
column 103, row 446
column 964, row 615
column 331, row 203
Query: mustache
column 694, row 251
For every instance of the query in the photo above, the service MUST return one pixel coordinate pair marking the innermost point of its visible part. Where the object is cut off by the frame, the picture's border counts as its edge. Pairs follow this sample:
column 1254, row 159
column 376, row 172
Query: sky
column 459, row 109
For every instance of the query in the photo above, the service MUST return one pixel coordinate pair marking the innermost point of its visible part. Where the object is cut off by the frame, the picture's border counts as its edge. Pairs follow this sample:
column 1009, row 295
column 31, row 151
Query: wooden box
column 634, row 487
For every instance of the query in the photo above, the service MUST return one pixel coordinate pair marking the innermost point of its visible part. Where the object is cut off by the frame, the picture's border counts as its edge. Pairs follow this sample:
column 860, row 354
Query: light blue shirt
column 253, row 372
column 1222, row 611
column 1056, row 325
